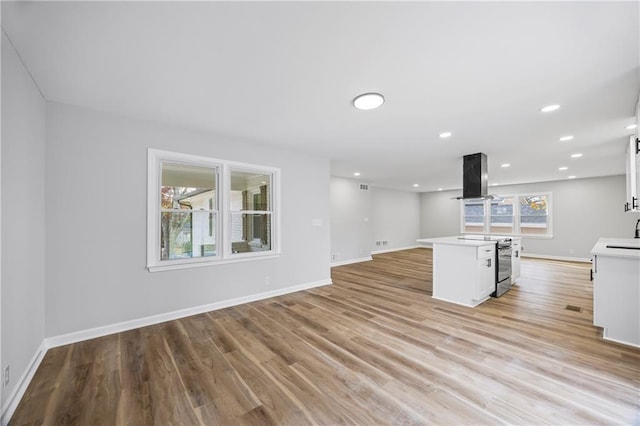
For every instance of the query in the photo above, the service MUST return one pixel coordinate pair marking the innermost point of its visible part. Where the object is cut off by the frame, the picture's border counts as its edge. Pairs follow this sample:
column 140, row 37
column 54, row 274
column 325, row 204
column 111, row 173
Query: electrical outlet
column 5, row 380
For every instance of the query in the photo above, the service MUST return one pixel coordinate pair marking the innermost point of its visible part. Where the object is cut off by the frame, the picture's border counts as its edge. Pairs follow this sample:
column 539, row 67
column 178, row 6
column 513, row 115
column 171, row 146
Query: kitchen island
column 463, row 269
column 616, row 289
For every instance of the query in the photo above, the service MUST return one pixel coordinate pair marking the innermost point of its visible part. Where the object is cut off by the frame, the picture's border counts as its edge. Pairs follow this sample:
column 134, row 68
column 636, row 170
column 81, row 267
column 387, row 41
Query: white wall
column 439, row 214
column 351, row 228
column 96, row 223
column 23, row 218
column 395, row 218
column 359, row 218
column 583, row 210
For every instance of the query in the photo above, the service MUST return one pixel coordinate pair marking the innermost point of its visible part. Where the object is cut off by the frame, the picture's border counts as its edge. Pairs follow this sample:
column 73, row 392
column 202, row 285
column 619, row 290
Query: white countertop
column 456, row 241
column 601, row 249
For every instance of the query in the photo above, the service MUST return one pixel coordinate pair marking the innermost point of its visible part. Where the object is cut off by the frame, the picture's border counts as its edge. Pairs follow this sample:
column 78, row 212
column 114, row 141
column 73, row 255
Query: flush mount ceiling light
column 549, row 108
column 566, row 138
column 631, row 126
column 368, row 101
column 439, row 189
column 563, row 168
column 356, row 174
column 571, row 177
column 505, row 165
column 445, row 135
column 576, row 155
column 415, row 185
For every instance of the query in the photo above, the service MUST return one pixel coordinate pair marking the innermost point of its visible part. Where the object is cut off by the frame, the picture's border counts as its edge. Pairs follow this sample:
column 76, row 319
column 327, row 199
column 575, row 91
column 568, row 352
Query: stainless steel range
column 503, row 266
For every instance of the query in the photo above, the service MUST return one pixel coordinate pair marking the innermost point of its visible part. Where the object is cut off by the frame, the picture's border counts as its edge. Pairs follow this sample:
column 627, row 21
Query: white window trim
column 224, row 254
column 516, row 217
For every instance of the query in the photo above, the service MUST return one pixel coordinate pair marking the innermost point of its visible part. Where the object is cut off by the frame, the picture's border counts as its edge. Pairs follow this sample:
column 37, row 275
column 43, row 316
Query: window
column 519, row 214
column 187, row 214
column 250, row 211
column 501, row 215
column 534, row 214
column 204, row 211
column 474, row 216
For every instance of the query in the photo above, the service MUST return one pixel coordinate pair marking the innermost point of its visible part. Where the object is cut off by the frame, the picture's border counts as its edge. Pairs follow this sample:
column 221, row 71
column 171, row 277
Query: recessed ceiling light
column 439, row 189
column 445, row 135
column 494, row 184
column 571, row 177
column 368, row 101
column 549, row 108
column 566, row 138
column 356, row 174
column 631, row 126
column 415, row 185
column 563, row 168
column 578, row 155
column 505, row 165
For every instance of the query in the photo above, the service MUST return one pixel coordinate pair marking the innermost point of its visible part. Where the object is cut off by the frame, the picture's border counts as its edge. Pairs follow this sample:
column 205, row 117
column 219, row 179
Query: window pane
column 250, row 232
column 250, row 191
column 474, row 216
column 188, row 211
column 502, row 216
column 534, row 211
column 188, row 187
column 187, row 234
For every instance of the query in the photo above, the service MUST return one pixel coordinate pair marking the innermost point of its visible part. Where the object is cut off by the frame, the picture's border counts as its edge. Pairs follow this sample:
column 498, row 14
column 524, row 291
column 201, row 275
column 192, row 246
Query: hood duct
column 475, row 176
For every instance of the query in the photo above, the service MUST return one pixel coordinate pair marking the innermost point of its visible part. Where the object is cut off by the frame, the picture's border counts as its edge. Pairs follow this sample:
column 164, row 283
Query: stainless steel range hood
column 475, row 177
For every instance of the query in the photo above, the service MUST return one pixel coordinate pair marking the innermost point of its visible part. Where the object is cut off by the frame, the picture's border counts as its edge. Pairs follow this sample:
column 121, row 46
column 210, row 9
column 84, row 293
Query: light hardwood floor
column 373, row 348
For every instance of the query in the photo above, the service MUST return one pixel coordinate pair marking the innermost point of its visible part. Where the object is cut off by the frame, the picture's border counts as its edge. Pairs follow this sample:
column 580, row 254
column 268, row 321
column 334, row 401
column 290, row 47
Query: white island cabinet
column 516, row 250
column 616, row 289
column 463, row 270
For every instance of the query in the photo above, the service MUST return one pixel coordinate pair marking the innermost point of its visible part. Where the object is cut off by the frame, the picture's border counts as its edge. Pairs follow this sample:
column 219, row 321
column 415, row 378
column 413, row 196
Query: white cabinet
column 486, row 283
column 516, row 249
column 633, row 175
column 616, row 291
column 463, row 272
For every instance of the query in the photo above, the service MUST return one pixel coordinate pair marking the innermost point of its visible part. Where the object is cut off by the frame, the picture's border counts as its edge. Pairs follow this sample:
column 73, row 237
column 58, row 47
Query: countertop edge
column 600, row 249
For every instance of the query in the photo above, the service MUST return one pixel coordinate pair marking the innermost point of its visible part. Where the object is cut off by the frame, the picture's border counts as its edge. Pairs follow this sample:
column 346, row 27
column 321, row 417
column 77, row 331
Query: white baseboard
column 621, row 342
column 92, row 333
column 11, row 403
column 550, row 257
column 350, row 261
column 14, row 398
column 394, row 249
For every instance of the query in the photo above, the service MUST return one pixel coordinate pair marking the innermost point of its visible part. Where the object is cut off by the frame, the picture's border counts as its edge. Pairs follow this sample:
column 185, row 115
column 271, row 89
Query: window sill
column 198, row 264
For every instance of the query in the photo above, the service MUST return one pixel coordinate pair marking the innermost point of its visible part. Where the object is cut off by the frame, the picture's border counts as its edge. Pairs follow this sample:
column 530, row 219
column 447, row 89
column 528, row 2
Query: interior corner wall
column 395, row 219
column 23, row 218
column 96, row 196
column 583, row 210
column 351, row 227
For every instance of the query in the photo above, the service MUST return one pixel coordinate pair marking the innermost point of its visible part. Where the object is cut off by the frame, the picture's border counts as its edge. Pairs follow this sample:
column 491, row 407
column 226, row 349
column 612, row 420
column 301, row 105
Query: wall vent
column 364, row 187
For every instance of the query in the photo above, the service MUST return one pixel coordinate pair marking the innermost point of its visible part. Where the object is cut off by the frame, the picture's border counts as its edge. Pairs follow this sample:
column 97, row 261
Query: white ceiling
column 284, row 74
